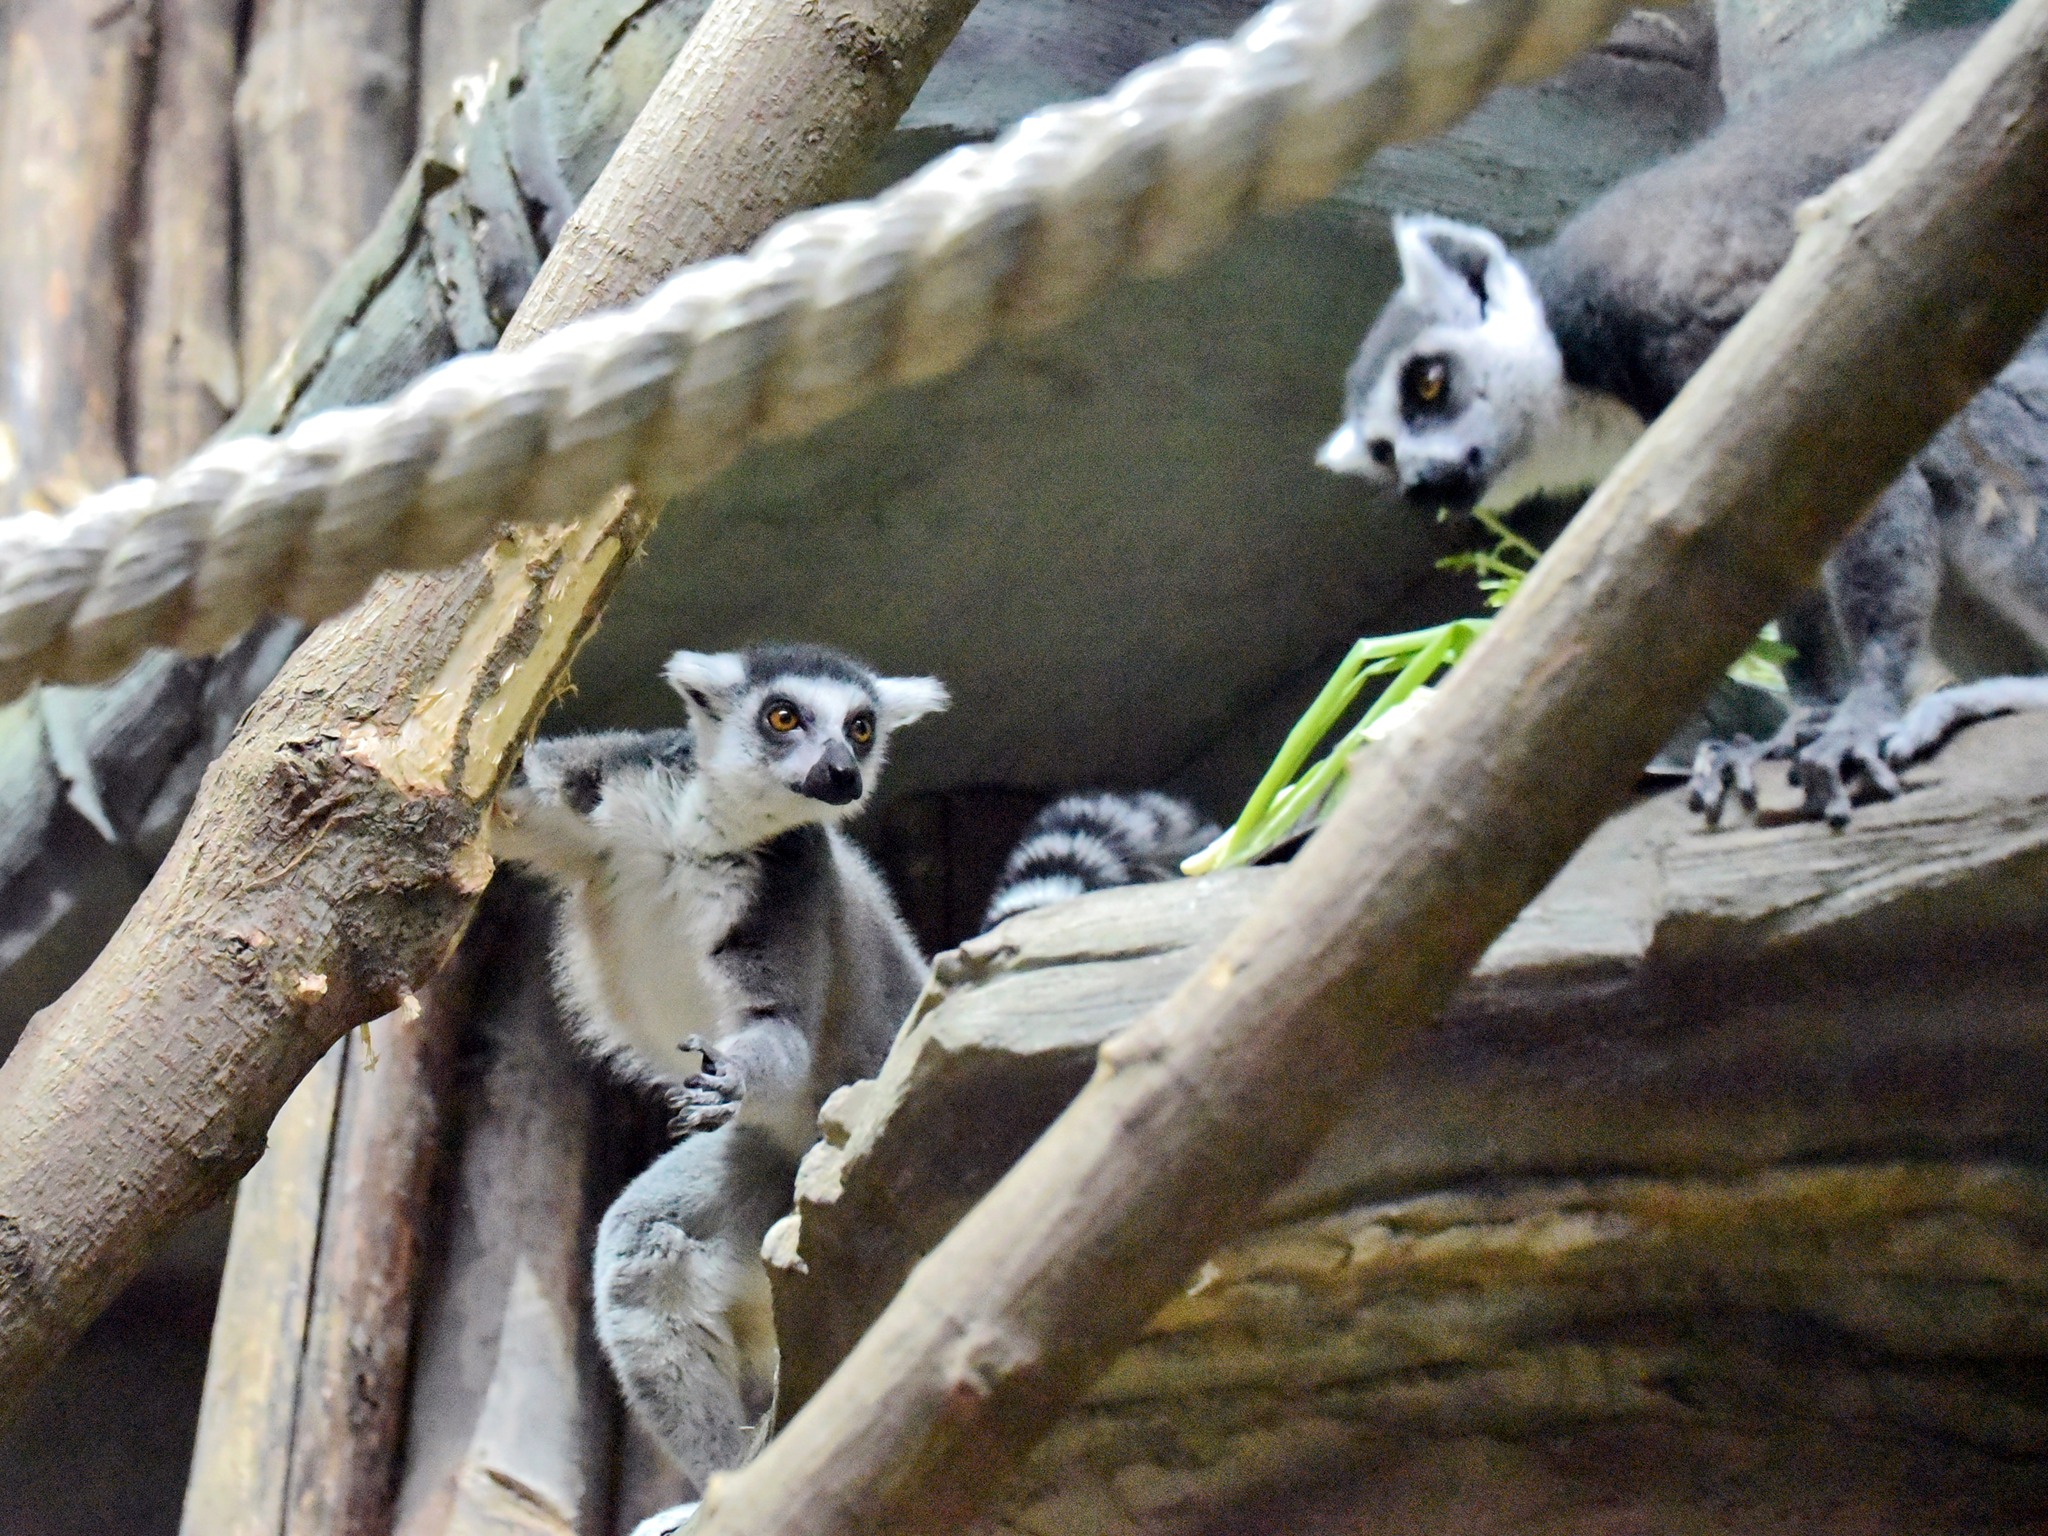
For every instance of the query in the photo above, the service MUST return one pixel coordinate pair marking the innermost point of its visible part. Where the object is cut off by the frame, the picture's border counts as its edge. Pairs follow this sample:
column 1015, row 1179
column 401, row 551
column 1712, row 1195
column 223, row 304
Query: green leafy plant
column 1291, row 794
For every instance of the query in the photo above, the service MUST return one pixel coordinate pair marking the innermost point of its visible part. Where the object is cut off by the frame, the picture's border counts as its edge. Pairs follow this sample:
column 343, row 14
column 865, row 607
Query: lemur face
column 801, row 725
column 1459, row 376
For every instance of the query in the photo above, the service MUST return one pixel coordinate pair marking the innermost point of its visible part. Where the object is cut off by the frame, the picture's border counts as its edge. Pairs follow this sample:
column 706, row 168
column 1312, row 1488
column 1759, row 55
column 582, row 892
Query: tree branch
column 1199, row 1111
column 333, row 856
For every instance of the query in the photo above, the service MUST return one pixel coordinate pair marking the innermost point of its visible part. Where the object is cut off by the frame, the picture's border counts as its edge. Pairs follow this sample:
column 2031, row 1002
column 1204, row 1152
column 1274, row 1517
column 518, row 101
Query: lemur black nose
column 835, row 777
column 1444, row 485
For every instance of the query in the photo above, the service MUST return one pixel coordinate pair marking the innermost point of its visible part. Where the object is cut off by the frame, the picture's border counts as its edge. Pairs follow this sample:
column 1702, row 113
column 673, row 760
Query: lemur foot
column 708, row 1097
column 670, row 1522
column 1719, row 766
column 1848, row 746
column 1942, row 713
column 1831, row 750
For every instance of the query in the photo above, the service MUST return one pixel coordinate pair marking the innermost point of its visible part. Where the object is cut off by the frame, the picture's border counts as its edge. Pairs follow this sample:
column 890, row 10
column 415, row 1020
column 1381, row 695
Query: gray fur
column 718, row 935
column 1540, row 367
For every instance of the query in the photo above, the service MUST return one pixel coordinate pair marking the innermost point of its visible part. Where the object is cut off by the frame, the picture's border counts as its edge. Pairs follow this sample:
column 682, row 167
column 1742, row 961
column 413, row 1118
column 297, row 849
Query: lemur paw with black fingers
column 1833, row 751
column 710, row 1096
column 1719, row 767
column 1846, row 751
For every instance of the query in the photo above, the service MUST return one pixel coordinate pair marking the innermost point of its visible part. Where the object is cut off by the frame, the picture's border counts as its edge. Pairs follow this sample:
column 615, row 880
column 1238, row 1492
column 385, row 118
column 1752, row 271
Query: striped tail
column 1092, row 842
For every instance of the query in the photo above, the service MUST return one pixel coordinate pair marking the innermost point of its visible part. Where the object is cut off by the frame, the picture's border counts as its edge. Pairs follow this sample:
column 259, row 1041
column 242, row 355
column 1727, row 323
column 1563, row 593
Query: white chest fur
column 636, row 957
column 1572, row 451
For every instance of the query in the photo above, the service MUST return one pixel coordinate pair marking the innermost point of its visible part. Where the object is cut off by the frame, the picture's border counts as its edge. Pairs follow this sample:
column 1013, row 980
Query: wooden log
column 337, row 838
column 1677, row 1003
column 324, row 128
column 1749, row 1352
column 242, row 1458
column 184, row 372
column 1730, row 1157
column 510, row 1416
column 377, row 1225
column 1722, row 511
column 74, row 104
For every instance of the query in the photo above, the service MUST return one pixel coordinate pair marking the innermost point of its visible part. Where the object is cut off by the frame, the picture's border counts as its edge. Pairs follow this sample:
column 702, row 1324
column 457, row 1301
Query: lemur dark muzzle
column 1454, row 488
column 834, row 778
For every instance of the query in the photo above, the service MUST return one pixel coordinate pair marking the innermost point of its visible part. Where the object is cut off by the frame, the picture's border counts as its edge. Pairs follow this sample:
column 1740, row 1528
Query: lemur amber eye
column 860, row 730
column 782, row 717
column 1429, row 381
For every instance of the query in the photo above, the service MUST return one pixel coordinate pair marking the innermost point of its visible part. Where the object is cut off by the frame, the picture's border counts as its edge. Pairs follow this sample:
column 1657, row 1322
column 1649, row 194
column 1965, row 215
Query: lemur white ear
column 1452, row 272
column 904, row 699
column 708, row 679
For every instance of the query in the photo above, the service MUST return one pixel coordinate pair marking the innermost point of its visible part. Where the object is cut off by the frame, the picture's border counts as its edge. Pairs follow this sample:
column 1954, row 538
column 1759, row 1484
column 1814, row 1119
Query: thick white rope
column 828, row 308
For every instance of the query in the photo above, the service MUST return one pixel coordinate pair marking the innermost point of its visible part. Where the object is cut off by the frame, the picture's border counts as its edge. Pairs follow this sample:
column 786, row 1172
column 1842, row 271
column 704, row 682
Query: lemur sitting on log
column 1492, row 377
column 717, row 935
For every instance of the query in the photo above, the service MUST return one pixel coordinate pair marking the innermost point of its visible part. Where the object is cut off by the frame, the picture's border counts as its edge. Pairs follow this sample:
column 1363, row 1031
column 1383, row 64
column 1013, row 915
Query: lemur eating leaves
column 717, row 935
column 1492, row 377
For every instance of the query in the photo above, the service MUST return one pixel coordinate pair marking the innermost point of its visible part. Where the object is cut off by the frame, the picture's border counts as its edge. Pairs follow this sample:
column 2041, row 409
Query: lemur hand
column 710, row 1096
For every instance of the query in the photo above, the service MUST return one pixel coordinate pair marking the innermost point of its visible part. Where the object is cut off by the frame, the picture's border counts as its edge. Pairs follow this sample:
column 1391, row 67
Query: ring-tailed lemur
column 709, row 907
column 1090, row 842
column 1492, row 377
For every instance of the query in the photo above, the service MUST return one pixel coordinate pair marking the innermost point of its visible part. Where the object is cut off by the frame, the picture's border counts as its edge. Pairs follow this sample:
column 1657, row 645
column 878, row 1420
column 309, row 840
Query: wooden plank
column 70, row 116
column 240, row 1459
column 510, row 1421
column 186, row 378
column 375, row 1235
column 324, row 128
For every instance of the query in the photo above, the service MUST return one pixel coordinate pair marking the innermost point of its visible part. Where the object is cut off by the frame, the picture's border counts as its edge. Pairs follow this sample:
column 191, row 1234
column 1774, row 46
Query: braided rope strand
column 828, row 308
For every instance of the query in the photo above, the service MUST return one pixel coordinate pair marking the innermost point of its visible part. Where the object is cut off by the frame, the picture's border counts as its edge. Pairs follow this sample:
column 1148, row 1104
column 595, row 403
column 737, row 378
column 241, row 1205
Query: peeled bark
column 462, row 38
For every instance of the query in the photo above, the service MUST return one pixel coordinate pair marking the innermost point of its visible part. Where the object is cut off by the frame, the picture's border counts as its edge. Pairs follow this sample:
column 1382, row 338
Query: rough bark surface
column 509, row 1419
column 334, row 855
column 1197, row 1112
